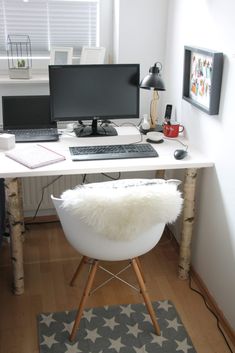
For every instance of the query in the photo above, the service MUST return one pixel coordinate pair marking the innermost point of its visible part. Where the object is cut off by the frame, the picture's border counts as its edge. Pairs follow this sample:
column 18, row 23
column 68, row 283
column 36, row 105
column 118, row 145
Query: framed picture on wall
column 61, row 56
column 202, row 78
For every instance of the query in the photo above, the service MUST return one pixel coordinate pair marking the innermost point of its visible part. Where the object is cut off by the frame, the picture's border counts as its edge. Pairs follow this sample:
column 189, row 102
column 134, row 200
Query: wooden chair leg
column 85, row 294
column 78, row 270
column 146, row 296
column 140, row 268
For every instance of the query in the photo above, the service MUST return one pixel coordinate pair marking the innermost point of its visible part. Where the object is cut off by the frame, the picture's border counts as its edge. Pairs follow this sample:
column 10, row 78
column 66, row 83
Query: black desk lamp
column 153, row 81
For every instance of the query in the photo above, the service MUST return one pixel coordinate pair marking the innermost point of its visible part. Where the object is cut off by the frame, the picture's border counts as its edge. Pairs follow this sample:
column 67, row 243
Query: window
column 50, row 23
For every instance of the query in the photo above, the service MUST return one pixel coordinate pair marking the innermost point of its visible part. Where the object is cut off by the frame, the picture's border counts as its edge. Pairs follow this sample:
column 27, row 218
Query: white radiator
column 35, row 188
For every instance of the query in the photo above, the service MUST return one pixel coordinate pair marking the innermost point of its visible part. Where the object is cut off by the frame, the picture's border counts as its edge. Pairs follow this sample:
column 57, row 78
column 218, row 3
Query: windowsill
column 36, row 78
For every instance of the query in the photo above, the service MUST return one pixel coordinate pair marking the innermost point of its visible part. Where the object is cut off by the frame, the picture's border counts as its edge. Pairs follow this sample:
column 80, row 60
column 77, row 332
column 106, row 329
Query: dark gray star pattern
column 115, row 329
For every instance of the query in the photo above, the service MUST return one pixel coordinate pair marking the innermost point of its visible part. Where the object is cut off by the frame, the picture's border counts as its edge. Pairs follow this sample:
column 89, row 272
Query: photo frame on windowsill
column 92, row 55
column 202, row 78
column 61, row 56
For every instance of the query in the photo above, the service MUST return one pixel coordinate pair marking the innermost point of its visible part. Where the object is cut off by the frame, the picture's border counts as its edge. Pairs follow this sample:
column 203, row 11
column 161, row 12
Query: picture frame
column 92, row 55
column 202, row 77
column 61, row 56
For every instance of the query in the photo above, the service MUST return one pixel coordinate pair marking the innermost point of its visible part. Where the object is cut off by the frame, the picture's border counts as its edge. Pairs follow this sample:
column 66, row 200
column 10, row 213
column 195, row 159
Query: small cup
column 173, row 129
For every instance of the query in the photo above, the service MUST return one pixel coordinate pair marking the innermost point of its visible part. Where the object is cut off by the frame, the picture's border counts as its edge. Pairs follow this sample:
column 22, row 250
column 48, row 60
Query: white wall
column 141, row 39
column 209, row 24
column 106, row 25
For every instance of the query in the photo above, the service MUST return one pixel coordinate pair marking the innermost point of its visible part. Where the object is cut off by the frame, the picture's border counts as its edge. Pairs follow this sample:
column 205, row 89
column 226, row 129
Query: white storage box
column 7, row 141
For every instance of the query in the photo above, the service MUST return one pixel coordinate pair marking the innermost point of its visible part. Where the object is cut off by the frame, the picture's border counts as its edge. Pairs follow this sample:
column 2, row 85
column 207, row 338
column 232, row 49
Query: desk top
column 166, row 160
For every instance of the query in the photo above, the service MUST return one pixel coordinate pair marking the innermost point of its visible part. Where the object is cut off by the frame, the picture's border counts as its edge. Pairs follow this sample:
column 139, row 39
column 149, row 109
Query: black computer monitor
column 94, row 92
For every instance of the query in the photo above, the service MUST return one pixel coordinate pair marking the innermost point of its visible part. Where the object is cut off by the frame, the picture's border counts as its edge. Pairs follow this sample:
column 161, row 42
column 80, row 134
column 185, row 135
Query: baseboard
column 224, row 324
column 41, row 219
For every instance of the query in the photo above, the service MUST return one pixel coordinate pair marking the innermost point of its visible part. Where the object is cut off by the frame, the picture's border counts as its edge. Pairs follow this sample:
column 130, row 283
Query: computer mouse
column 180, row 154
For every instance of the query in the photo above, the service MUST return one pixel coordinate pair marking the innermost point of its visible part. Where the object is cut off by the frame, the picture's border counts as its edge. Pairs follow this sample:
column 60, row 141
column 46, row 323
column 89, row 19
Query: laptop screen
column 26, row 112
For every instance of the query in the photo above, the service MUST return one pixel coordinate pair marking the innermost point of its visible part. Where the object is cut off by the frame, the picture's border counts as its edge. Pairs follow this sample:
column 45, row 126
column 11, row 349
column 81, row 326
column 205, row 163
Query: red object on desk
column 172, row 130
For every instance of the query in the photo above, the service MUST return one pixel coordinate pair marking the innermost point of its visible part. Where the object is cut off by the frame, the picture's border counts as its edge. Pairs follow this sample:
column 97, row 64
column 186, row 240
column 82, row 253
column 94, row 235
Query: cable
column 169, row 236
column 110, row 177
column 139, row 141
column 43, row 189
column 206, row 304
column 169, row 138
column 212, row 312
column 84, row 179
column 46, row 186
column 130, row 124
column 106, row 122
column 67, row 133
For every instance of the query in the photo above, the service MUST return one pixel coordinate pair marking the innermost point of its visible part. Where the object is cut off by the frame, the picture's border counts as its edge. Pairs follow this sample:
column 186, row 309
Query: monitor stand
column 95, row 130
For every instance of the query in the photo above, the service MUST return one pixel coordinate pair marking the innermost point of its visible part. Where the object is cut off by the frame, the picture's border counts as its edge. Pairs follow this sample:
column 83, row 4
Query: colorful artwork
column 200, row 78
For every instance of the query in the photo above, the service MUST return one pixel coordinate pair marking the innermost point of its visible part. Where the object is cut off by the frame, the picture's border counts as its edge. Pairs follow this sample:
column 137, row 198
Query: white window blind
column 50, row 23
column 71, row 24
column 2, row 33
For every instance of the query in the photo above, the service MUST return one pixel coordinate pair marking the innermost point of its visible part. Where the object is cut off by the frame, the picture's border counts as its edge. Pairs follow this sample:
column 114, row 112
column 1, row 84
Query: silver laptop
column 28, row 118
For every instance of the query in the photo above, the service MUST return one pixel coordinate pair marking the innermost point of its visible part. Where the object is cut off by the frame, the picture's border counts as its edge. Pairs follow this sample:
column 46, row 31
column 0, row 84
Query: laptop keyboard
column 34, row 132
column 34, row 135
column 84, row 153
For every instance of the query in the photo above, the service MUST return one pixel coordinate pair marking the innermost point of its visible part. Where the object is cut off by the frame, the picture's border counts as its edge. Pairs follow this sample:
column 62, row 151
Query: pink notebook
column 34, row 156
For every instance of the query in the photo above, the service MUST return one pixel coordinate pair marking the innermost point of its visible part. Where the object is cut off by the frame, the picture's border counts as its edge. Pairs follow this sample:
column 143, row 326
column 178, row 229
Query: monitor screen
column 88, row 92
column 26, row 112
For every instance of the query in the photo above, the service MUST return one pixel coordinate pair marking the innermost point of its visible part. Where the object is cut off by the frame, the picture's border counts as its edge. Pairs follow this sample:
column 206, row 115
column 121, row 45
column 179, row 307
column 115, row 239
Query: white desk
column 13, row 172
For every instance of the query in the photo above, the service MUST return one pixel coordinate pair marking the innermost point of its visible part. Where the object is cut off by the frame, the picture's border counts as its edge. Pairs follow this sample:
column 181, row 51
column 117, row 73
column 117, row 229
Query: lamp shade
column 153, row 79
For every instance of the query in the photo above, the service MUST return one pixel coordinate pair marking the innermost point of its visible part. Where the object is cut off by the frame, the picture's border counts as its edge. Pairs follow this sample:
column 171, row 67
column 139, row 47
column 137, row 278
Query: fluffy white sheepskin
column 125, row 208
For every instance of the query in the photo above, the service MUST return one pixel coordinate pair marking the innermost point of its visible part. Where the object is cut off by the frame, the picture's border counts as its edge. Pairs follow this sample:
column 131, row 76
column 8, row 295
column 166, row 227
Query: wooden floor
column 49, row 265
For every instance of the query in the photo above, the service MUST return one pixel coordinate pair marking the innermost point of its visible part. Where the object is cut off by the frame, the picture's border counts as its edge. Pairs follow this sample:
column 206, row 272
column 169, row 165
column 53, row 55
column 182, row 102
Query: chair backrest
column 92, row 244
column 92, row 55
column 117, row 220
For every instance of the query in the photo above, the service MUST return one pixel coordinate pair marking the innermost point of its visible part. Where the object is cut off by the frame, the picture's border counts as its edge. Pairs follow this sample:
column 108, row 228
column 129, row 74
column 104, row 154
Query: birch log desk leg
column 188, row 221
column 20, row 195
column 14, row 206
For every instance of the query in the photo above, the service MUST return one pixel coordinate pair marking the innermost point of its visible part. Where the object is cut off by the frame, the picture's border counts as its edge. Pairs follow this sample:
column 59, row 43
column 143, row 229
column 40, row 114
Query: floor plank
column 49, row 265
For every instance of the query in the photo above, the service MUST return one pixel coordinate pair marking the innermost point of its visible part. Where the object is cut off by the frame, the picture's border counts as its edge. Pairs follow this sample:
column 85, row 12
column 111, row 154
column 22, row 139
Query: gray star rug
column 115, row 329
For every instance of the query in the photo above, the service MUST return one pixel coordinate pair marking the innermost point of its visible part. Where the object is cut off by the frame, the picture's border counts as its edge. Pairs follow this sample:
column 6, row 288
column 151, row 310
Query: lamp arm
column 153, row 109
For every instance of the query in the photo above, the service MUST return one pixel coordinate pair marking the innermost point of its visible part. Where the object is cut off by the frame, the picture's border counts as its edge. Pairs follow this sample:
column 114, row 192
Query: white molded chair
column 95, row 247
